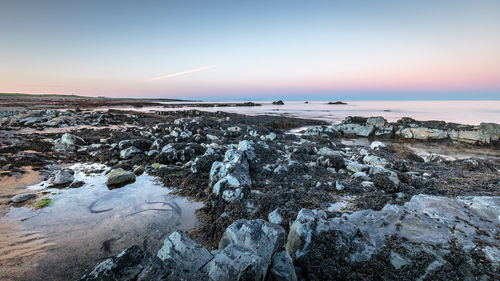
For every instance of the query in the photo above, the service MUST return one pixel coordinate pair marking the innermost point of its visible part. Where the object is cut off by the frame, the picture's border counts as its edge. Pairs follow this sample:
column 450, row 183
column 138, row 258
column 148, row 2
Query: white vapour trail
column 181, row 73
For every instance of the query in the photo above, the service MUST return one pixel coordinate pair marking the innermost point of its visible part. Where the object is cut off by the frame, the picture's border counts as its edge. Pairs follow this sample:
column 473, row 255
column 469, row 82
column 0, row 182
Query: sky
column 253, row 50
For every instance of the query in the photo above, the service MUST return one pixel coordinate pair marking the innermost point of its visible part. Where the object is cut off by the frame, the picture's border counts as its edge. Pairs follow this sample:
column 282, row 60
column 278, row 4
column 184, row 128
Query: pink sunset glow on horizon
column 411, row 50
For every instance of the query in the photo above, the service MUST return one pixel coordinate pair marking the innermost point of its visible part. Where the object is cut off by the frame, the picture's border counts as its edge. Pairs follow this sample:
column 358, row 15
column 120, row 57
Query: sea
column 463, row 112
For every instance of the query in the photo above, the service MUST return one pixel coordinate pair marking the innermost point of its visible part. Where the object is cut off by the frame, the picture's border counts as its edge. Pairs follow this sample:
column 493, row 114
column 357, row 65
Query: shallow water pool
column 85, row 225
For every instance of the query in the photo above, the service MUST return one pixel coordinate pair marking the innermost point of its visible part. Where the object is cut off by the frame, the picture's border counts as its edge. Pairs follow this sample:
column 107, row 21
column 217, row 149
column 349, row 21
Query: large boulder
column 261, row 237
column 119, row 177
column 234, row 263
column 230, row 178
column 182, row 253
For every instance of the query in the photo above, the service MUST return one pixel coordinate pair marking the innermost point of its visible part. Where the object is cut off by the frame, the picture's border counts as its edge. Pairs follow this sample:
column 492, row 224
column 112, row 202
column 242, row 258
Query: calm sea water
column 466, row 112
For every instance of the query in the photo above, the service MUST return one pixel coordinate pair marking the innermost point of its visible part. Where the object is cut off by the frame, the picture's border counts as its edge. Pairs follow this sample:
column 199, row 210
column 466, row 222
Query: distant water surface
column 465, row 112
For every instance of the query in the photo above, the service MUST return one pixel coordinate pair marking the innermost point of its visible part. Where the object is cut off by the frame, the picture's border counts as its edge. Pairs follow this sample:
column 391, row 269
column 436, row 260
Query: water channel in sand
column 88, row 224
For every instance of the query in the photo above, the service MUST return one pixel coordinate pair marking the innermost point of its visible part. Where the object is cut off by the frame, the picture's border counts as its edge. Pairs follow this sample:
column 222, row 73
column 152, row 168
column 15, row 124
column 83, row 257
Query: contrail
column 181, row 73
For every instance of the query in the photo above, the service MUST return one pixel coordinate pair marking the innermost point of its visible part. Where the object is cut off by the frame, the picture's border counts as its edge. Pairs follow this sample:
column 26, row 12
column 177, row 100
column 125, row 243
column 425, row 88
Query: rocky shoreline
column 282, row 206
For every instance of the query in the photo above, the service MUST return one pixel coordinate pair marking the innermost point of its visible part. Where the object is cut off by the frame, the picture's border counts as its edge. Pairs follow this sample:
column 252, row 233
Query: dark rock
column 132, row 264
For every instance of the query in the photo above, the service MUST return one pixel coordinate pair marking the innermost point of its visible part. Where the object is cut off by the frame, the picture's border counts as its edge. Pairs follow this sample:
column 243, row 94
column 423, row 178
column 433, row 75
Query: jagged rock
column 427, row 224
column 275, row 217
column 119, row 176
column 231, row 178
column 282, row 268
column 301, row 232
column 260, row 237
column 180, row 252
column 179, row 152
column 234, row 263
column 204, row 162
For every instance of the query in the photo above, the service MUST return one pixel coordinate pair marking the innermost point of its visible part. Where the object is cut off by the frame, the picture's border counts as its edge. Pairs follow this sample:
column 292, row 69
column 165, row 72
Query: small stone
column 128, row 152
column 377, row 144
column 63, row 178
column 274, row 217
column 22, row 197
column 119, row 176
column 361, row 175
column 76, row 184
column 339, row 186
column 71, row 140
column 139, row 170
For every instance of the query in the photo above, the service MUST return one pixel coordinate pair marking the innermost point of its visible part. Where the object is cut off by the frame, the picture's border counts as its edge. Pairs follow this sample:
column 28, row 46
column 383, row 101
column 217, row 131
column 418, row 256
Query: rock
column 212, row 137
column 179, row 152
column 231, row 178
column 356, row 129
column 361, row 175
column 274, row 217
column 128, row 152
column 152, row 153
column 367, row 184
column 357, row 167
column 260, row 237
column 301, row 232
column 280, row 102
column 76, row 184
column 270, row 137
column 328, row 152
column 203, row 163
column 22, row 197
column 233, row 131
column 339, row 186
column 182, row 253
column 63, row 178
column 130, row 265
column 374, row 160
column 426, row 225
column 490, row 132
column 71, row 140
column 125, row 143
column 282, row 268
column 119, row 177
column 139, row 170
column 377, row 144
column 234, row 263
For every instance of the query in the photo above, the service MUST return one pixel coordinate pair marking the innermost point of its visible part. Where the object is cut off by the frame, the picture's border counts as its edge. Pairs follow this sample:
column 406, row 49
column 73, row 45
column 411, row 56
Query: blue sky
column 252, row 49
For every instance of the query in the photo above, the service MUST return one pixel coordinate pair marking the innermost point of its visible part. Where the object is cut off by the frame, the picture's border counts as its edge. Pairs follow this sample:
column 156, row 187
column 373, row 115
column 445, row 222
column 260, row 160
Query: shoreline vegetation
column 283, row 198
